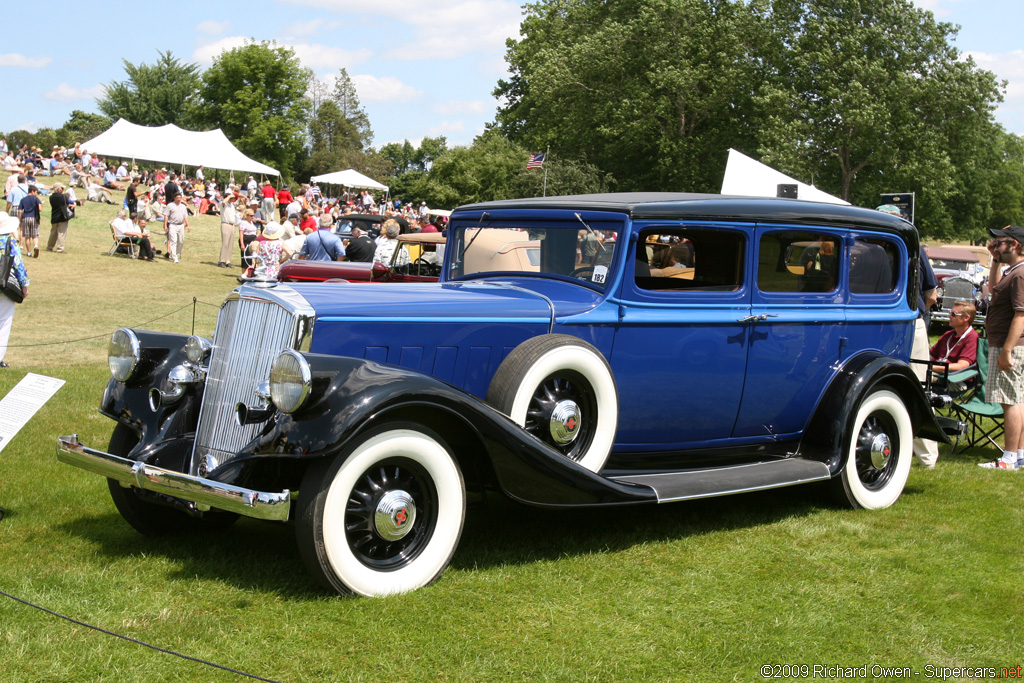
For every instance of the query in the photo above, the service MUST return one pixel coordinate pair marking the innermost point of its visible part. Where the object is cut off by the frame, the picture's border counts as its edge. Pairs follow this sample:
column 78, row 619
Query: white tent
column 350, row 178
column 747, row 177
column 172, row 145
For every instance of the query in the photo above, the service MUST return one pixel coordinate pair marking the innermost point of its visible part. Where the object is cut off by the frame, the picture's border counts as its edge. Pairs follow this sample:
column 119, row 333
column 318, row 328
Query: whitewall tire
column 879, row 452
column 384, row 518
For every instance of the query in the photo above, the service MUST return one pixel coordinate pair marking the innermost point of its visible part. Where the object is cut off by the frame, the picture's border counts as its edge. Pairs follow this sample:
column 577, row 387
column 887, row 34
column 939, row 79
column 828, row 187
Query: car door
column 798, row 315
column 680, row 350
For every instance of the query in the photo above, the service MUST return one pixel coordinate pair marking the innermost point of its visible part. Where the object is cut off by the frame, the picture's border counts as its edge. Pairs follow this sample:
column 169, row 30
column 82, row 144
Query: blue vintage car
column 578, row 351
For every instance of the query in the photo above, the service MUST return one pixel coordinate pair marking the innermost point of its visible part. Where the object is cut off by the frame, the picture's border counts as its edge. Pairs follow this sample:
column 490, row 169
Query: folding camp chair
column 984, row 420
column 122, row 245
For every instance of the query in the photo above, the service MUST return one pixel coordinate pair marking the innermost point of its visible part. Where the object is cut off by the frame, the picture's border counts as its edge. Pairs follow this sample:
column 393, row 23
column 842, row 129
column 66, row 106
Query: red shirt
column 284, row 197
column 269, row 191
column 308, row 225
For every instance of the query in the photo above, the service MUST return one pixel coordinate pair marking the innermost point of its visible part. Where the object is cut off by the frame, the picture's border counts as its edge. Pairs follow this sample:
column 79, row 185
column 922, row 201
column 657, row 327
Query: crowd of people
column 158, row 196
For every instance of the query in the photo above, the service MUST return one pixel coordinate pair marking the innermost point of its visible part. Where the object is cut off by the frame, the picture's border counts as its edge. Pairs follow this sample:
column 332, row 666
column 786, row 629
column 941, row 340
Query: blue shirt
column 323, row 245
column 928, row 282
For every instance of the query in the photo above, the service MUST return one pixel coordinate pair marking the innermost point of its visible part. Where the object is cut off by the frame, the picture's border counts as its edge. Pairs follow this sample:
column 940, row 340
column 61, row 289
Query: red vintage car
column 425, row 252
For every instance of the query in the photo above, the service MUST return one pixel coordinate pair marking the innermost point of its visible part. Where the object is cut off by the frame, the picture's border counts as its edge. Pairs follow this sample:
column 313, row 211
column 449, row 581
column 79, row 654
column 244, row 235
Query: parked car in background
column 566, row 358
column 425, row 251
column 960, row 276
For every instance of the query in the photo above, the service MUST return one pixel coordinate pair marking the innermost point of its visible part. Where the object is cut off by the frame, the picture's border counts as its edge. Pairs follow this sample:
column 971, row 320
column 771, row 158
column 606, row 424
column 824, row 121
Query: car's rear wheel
column 384, row 517
column 879, row 453
column 561, row 390
column 147, row 517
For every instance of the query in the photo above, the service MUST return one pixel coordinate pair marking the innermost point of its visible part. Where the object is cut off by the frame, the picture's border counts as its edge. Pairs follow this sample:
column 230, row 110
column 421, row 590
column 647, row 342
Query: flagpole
column 547, row 154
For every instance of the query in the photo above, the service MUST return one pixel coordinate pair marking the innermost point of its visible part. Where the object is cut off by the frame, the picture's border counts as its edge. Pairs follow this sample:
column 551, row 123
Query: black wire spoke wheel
column 391, row 514
column 562, row 413
column 877, row 450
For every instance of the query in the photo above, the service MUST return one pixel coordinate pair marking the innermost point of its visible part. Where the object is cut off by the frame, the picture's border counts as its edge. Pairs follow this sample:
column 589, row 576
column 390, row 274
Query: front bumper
column 205, row 493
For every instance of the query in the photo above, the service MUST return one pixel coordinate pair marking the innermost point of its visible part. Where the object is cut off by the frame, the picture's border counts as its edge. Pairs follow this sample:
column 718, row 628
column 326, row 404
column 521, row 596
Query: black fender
column 351, row 395
column 165, row 436
column 834, row 416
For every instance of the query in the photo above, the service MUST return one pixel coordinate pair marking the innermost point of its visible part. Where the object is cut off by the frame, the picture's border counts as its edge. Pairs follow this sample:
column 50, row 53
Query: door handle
column 760, row 318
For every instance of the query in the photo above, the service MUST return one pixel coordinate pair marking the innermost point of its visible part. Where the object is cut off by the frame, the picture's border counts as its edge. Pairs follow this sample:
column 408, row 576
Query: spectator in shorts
column 28, row 212
column 1004, row 322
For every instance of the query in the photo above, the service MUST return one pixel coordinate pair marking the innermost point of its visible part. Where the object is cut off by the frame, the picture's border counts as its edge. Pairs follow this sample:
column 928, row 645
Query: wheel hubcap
column 876, row 452
column 565, row 422
column 395, row 515
column 881, row 449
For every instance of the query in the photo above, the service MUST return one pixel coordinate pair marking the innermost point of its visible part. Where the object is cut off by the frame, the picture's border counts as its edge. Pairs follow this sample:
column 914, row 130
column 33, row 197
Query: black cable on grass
column 103, row 336
column 137, row 641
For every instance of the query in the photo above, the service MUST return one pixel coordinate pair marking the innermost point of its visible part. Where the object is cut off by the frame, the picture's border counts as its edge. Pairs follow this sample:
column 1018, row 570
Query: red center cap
column 571, row 423
column 401, row 516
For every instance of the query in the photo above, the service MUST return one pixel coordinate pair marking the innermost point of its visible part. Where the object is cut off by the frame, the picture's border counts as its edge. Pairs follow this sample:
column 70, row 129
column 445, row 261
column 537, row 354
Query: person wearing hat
column 926, row 450
column 228, row 228
column 270, row 252
column 60, row 212
column 8, row 226
column 1004, row 323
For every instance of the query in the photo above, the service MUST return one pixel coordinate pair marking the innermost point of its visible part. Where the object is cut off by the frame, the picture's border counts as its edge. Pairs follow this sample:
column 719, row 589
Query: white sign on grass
column 22, row 402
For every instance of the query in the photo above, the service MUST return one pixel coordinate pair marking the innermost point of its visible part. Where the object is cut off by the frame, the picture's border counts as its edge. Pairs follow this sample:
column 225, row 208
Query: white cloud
column 481, row 25
column 205, row 54
column 303, row 29
column 454, row 108
column 15, row 59
column 383, row 89
column 68, row 93
column 1008, row 66
column 213, row 28
column 446, row 128
column 30, row 127
column 316, row 56
column 312, row 55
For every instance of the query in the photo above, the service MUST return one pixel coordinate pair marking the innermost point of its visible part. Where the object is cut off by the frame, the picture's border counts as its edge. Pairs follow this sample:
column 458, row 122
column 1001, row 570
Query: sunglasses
column 998, row 242
column 957, row 315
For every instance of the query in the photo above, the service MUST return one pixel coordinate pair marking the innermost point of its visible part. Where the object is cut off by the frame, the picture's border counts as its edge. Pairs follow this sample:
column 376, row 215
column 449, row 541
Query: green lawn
column 703, row 591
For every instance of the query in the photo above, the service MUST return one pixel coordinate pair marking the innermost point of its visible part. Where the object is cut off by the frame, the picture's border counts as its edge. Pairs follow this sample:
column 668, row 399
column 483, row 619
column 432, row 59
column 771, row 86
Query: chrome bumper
column 205, row 493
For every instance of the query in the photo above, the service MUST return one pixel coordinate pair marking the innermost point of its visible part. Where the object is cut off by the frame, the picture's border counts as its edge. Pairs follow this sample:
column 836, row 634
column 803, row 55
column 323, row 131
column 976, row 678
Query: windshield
column 567, row 250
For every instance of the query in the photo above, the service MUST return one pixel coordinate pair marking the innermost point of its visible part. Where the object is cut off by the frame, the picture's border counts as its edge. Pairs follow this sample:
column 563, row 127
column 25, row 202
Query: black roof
column 654, row 205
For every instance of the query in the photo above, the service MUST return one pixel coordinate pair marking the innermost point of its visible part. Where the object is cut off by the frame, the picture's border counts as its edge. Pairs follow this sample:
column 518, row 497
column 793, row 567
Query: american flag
column 536, row 161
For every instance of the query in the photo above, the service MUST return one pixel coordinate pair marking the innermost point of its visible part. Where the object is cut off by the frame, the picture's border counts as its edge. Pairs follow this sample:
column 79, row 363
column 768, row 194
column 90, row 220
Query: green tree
column 873, row 91
column 347, row 100
column 653, row 92
column 486, row 170
column 255, row 94
column 82, row 126
column 334, row 142
column 154, row 94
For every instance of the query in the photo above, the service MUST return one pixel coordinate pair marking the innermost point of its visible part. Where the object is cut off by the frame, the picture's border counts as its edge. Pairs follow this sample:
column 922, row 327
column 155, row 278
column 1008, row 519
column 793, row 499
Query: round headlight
column 290, row 380
column 123, row 354
column 197, row 348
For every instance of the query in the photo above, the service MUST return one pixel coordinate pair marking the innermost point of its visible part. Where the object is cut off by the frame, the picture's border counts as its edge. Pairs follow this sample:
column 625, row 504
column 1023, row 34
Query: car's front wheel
column 879, row 453
column 384, row 517
column 147, row 517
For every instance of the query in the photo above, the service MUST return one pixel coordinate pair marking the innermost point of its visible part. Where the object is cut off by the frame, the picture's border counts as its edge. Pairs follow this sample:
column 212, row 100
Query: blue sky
column 422, row 68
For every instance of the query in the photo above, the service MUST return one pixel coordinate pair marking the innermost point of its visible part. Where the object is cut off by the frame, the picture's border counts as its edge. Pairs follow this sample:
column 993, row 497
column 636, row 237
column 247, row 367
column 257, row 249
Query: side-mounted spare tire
column 561, row 390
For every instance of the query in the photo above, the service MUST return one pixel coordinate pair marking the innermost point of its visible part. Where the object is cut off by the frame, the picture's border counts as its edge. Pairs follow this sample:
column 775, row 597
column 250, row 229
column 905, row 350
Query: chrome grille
column 955, row 289
column 252, row 328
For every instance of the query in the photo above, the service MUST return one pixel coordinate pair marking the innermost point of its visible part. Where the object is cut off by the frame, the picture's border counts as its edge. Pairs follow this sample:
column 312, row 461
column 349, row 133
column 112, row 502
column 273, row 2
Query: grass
column 702, row 591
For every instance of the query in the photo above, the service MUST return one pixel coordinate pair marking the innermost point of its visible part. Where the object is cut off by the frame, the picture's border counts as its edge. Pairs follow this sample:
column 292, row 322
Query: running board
column 724, row 481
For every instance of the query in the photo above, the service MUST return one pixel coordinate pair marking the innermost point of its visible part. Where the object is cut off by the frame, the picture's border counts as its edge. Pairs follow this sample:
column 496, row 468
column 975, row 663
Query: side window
column 798, row 262
column 874, row 266
column 690, row 258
